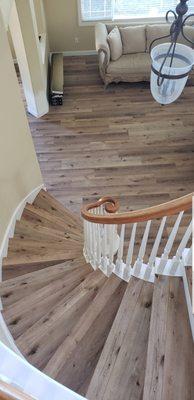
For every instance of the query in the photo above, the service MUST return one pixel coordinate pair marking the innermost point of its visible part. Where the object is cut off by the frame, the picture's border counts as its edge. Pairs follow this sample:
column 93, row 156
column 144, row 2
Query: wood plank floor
column 170, row 344
column 116, row 142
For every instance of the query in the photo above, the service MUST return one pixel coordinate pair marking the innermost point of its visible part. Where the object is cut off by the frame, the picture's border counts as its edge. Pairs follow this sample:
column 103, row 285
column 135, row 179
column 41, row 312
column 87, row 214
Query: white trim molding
column 38, row 113
column 17, row 372
column 9, row 233
column 75, row 53
column 188, row 301
column 33, row 79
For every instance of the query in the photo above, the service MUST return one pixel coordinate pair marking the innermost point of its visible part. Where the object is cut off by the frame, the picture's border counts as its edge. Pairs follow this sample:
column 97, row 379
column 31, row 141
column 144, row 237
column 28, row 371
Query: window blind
column 94, row 10
column 128, row 9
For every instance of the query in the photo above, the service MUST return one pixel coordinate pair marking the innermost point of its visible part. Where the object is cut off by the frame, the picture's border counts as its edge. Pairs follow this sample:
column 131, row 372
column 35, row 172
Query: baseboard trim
column 11, row 226
column 33, row 112
column 76, row 53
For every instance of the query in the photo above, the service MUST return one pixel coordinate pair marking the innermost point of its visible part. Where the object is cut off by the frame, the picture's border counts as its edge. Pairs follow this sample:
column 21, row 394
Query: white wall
column 32, row 56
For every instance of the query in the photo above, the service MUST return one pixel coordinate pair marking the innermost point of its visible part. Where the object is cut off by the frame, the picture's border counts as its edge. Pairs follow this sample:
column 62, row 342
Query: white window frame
column 134, row 21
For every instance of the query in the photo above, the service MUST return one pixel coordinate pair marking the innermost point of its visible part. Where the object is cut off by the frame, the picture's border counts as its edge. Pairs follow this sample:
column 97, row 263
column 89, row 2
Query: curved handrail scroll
column 111, row 206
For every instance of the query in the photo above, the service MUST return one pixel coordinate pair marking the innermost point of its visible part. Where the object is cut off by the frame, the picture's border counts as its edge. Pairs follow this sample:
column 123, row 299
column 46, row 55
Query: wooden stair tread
column 33, row 229
column 78, row 354
column 33, row 240
column 25, row 312
column 119, row 373
column 14, row 289
column 170, row 361
column 31, row 216
column 46, row 346
column 47, row 202
column 189, row 279
column 39, row 256
column 16, row 244
column 44, row 217
column 60, row 313
column 46, row 233
column 9, row 272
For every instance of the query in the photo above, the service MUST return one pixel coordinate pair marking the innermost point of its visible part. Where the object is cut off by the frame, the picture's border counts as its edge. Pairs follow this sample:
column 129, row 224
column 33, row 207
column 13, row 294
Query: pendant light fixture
column 171, row 62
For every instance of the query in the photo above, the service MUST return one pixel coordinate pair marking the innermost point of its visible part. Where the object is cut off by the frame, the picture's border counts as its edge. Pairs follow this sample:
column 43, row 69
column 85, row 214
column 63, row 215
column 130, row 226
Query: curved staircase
column 100, row 336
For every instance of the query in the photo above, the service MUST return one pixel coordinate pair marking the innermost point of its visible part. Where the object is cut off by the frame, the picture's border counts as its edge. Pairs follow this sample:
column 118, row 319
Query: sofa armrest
column 102, row 46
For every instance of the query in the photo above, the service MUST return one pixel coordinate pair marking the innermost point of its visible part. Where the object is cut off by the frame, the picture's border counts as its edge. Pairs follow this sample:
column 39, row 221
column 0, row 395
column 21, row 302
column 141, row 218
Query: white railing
column 139, row 243
column 20, row 380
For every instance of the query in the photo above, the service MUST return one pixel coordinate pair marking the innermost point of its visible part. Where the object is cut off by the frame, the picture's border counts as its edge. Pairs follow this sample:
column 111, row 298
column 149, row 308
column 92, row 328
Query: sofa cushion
column 156, row 31
column 139, row 63
column 133, row 39
column 114, row 41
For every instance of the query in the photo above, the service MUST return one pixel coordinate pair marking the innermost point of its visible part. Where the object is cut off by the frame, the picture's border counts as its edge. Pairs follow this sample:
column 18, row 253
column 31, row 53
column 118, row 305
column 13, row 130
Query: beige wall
column 63, row 27
column 19, row 169
column 5, row 6
column 11, row 44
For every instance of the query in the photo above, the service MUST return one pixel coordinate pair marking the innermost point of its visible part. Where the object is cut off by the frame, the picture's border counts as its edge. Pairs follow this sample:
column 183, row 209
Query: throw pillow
column 133, row 39
column 115, row 44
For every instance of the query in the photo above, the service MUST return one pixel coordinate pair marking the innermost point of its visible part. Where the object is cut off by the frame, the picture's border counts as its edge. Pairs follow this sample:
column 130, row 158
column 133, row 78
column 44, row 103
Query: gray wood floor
column 116, row 142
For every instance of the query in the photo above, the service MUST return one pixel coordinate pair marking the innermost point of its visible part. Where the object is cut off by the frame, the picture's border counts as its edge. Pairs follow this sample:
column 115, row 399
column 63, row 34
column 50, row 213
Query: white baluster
column 85, row 251
column 169, row 244
column 127, row 269
column 88, row 241
column 98, row 247
column 94, row 240
column 176, row 261
column 139, row 262
column 119, row 262
column 99, row 229
column 94, row 245
column 104, row 262
column 152, row 258
column 111, row 248
column 101, row 210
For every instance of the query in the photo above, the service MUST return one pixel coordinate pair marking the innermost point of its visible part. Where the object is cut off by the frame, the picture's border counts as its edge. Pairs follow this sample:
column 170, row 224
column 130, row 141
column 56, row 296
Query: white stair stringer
column 17, row 372
column 167, row 270
column 188, row 300
column 144, row 272
column 187, row 257
column 187, row 261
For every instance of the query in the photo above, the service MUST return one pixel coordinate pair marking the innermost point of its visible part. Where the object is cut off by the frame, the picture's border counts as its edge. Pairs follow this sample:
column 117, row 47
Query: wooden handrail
column 166, row 209
column 9, row 392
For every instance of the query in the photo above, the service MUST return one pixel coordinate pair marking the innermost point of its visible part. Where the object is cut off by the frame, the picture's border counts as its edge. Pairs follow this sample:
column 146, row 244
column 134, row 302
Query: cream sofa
column 136, row 66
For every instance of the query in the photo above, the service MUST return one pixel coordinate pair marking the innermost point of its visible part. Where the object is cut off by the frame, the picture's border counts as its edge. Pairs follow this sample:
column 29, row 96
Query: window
column 94, row 10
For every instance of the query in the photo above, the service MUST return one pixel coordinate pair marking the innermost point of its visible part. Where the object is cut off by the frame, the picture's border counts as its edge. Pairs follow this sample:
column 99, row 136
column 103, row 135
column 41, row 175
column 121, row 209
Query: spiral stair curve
column 99, row 336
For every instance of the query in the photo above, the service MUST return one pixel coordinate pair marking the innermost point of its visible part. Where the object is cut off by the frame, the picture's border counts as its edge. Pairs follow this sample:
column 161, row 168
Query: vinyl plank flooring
column 116, row 141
